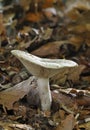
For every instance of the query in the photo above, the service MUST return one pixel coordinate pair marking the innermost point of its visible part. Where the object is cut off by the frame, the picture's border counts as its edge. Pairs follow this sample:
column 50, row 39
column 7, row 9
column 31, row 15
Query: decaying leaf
column 67, row 124
column 11, row 95
column 71, row 74
column 74, row 7
column 85, row 126
column 51, row 49
column 63, row 100
column 74, row 74
column 34, row 17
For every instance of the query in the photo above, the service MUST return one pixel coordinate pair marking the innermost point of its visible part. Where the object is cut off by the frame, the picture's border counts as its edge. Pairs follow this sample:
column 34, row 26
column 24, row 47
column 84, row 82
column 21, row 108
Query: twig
column 66, row 109
column 21, row 126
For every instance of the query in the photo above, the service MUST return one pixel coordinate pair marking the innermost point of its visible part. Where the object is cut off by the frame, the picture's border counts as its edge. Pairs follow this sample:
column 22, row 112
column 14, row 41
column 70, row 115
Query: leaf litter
column 48, row 29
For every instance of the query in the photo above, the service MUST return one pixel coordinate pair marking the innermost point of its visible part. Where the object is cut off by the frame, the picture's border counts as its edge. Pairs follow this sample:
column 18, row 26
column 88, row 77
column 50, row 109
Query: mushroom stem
column 45, row 94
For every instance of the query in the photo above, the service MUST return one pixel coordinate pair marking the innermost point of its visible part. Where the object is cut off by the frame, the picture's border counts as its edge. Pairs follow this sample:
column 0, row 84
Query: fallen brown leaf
column 9, row 96
column 72, row 74
column 67, row 124
column 50, row 49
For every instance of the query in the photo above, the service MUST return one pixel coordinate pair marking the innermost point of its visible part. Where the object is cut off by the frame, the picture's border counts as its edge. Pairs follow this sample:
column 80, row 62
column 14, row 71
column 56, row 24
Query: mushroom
column 43, row 69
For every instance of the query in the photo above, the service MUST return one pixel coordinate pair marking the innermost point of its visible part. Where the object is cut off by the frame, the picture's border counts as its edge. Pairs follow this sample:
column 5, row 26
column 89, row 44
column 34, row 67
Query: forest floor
column 48, row 30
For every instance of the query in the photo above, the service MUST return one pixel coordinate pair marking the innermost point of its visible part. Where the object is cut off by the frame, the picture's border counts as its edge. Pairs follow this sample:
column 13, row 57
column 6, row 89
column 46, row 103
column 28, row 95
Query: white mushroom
column 43, row 69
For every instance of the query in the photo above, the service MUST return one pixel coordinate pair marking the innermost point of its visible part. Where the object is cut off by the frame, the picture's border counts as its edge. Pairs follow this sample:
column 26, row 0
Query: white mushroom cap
column 42, row 67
